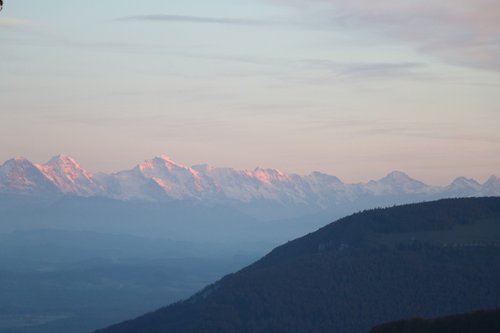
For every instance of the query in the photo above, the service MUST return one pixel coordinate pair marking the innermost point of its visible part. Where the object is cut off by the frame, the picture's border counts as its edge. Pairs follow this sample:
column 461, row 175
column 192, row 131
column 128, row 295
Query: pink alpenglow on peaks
column 69, row 176
column 162, row 183
column 269, row 176
column 161, row 161
column 176, row 180
column 160, row 179
column 19, row 175
column 63, row 166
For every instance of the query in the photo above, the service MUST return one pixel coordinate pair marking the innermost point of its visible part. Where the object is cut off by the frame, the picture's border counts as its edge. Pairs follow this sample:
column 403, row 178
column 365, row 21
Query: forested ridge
column 421, row 260
column 484, row 321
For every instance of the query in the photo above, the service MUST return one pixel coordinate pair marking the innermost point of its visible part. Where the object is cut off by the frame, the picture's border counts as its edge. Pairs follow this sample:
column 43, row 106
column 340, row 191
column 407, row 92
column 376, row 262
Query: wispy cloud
column 323, row 70
column 197, row 19
column 367, row 69
column 13, row 22
column 395, row 128
column 460, row 32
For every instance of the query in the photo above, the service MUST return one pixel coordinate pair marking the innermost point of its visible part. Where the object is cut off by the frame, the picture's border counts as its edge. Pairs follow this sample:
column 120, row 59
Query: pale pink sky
column 352, row 88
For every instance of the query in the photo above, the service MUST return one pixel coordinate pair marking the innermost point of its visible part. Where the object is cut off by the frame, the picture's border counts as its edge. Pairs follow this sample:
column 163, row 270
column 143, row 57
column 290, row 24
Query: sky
column 352, row 88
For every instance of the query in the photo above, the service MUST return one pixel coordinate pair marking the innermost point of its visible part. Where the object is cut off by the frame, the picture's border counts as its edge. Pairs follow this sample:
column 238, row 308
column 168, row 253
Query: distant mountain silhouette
column 421, row 260
column 486, row 321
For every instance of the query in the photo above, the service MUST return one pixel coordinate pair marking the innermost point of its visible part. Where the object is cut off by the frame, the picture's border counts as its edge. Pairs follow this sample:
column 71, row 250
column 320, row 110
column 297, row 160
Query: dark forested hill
column 420, row 260
column 486, row 321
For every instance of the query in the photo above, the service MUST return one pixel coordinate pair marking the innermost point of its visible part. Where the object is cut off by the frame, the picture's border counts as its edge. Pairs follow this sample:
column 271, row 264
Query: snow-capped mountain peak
column 396, row 182
column 203, row 168
column 65, row 166
column 397, row 177
column 16, row 165
column 177, row 181
column 165, row 157
column 62, row 159
column 269, row 176
column 20, row 159
column 325, row 177
column 464, row 187
column 492, row 186
column 69, row 176
column 160, row 162
column 462, row 182
column 19, row 175
column 492, row 179
column 161, row 178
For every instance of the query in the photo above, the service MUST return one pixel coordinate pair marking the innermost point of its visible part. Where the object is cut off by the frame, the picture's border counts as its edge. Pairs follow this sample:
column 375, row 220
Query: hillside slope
column 426, row 260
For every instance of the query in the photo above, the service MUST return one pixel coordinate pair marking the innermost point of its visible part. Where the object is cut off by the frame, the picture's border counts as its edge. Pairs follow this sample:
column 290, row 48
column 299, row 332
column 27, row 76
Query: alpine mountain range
column 161, row 179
